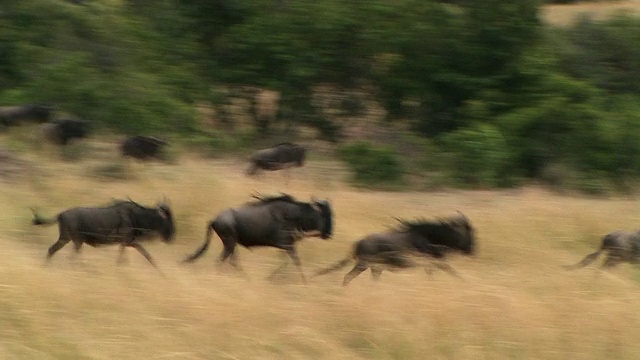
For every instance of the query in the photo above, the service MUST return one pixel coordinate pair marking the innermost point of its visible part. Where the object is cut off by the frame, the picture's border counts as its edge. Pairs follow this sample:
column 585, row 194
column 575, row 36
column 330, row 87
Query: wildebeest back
column 142, row 147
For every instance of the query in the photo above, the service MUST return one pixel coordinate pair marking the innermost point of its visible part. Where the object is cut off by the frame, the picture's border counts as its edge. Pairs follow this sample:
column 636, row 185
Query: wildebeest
column 620, row 246
column 61, row 131
column 124, row 222
column 142, row 147
column 14, row 115
column 278, row 221
column 396, row 249
column 280, row 156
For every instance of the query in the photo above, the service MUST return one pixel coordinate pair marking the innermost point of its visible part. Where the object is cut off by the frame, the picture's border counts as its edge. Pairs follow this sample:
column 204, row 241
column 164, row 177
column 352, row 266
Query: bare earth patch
column 564, row 15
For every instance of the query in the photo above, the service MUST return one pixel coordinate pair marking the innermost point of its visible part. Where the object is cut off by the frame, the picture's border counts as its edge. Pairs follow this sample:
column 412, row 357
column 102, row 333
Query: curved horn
column 133, row 202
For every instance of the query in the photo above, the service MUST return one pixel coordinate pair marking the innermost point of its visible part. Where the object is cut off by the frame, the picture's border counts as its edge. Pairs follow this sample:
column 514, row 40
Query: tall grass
column 514, row 301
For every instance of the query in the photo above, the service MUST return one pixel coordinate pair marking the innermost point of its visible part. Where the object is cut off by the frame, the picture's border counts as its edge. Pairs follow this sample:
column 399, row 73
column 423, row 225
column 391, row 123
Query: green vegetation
column 507, row 101
column 371, row 164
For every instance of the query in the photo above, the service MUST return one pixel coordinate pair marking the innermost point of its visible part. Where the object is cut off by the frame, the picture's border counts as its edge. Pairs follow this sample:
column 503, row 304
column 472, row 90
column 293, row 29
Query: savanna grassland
column 515, row 301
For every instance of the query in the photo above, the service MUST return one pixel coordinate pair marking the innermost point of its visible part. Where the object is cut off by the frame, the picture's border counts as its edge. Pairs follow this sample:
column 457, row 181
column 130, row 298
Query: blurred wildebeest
column 395, row 249
column 620, row 246
column 278, row 221
column 61, row 131
column 142, row 147
column 123, row 222
column 280, row 156
column 14, row 115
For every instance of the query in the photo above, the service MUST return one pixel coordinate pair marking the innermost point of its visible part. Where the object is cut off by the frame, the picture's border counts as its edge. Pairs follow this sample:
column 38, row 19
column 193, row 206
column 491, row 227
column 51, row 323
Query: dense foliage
column 506, row 97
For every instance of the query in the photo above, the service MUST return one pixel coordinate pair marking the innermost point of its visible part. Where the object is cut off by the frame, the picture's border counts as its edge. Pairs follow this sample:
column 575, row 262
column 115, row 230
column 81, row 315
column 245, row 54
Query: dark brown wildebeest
column 621, row 246
column 278, row 221
column 142, row 147
column 395, row 249
column 278, row 157
column 61, row 131
column 123, row 222
column 14, row 115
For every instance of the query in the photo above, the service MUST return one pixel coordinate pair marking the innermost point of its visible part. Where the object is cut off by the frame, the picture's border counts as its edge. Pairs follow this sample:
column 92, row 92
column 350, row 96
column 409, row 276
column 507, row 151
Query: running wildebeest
column 278, row 157
column 142, row 147
column 123, row 222
column 394, row 249
column 61, row 131
column 14, row 115
column 620, row 246
column 278, row 221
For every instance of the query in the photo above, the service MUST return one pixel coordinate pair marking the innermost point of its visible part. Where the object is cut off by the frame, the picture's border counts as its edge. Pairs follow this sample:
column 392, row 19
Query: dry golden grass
column 515, row 302
column 565, row 14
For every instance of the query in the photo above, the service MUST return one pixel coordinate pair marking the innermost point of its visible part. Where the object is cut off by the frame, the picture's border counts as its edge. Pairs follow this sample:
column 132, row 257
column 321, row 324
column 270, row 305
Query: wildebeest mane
column 454, row 232
column 423, row 226
column 269, row 199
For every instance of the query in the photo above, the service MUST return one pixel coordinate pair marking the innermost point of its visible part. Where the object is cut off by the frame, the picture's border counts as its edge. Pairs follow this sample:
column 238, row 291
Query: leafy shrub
column 371, row 165
column 480, row 156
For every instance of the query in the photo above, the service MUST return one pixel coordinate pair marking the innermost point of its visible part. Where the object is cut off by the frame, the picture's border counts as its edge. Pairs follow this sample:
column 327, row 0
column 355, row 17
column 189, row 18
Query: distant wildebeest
column 123, row 222
column 397, row 249
column 278, row 221
column 620, row 246
column 61, row 131
column 280, row 156
column 14, row 115
column 142, row 147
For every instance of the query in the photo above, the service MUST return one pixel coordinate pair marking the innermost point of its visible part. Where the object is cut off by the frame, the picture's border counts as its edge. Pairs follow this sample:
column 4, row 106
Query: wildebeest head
column 326, row 218
column 158, row 219
column 168, row 230
column 455, row 233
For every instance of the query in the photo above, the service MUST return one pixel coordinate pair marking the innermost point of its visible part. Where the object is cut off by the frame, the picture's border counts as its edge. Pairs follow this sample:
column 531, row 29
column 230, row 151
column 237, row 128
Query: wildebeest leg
column 121, row 255
column 62, row 241
column 226, row 252
column 429, row 271
column 77, row 246
column 375, row 273
column 357, row 270
column 144, row 253
column 280, row 268
column 229, row 253
column 291, row 251
column 447, row 268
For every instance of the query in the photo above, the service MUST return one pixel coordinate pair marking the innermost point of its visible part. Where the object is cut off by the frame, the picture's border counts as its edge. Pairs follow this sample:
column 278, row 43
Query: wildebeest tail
column 203, row 248
column 589, row 258
column 39, row 220
column 336, row 266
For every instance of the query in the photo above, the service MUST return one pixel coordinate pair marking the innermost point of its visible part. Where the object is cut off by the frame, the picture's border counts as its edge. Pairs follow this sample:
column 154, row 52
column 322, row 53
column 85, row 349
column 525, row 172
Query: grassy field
column 565, row 14
column 515, row 302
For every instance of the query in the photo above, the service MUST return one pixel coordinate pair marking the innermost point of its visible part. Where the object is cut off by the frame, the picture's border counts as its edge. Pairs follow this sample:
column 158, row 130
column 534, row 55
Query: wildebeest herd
column 273, row 221
column 281, row 221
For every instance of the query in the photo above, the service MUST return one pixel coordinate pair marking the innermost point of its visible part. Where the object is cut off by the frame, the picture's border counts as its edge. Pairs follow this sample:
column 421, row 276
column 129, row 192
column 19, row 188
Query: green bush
column 372, row 165
column 480, row 156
